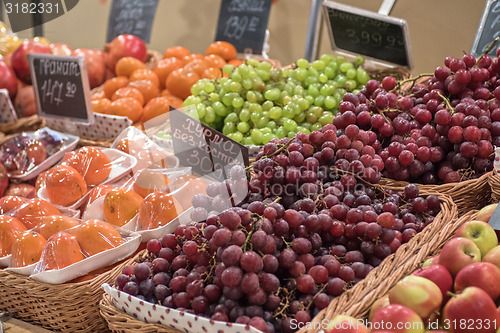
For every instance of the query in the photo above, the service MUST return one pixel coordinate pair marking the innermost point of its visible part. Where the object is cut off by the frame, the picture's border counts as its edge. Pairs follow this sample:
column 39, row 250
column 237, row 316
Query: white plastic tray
column 67, row 146
column 103, row 259
column 6, row 261
column 26, row 270
column 121, row 164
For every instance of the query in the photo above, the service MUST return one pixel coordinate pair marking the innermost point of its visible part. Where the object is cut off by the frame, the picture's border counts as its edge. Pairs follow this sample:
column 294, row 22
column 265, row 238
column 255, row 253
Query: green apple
column 481, row 233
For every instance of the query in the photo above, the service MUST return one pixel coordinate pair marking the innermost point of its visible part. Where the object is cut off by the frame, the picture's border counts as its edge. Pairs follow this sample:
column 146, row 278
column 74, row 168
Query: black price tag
column 489, row 29
column 207, row 151
column 61, row 87
column 243, row 23
column 133, row 17
column 367, row 33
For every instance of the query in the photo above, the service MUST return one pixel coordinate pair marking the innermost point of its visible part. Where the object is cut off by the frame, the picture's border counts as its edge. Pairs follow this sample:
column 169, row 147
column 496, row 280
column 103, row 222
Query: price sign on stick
column 359, row 31
column 205, row 150
column 61, row 87
column 243, row 23
column 133, row 17
column 488, row 30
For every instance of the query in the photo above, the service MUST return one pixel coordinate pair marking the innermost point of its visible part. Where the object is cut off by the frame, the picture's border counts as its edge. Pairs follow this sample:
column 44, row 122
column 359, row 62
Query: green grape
column 201, row 110
column 260, row 97
column 223, row 80
column 319, row 100
column 231, row 118
column 350, row 85
column 219, row 108
column 247, row 141
column 316, row 127
column 253, row 62
column 302, row 63
column 267, row 137
column 351, row 73
column 246, row 104
column 265, row 130
column 307, row 126
column 196, row 88
column 360, row 60
column 281, row 132
column 295, row 108
column 213, row 97
column 251, row 96
column 340, row 80
column 355, row 91
column 290, row 124
column 272, row 94
column 235, row 86
column 265, row 114
column 317, row 111
column 243, row 69
column 244, row 115
column 300, row 118
column 255, row 108
column 247, row 83
column 311, row 118
column 271, row 124
column 237, row 136
column 323, row 78
column 326, row 90
column 289, row 87
column 252, row 74
column 318, row 65
column 345, row 66
column 256, row 136
column 303, row 104
column 340, row 59
column 288, row 112
column 237, row 102
column 326, row 118
column 298, row 90
column 262, row 122
column 301, row 129
column 362, row 76
column 228, row 69
column 264, row 65
column 236, row 77
column 309, row 99
column 267, row 105
column 312, row 79
column 228, row 128
column 286, row 98
column 191, row 100
column 210, row 115
column 291, row 134
column 263, row 74
column 276, row 74
column 330, row 102
column 243, row 127
column 209, row 87
column 275, row 112
column 327, row 58
column 258, row 84
column 313, row 91
column 330, row 72
column 227, row 99
column 254, row 117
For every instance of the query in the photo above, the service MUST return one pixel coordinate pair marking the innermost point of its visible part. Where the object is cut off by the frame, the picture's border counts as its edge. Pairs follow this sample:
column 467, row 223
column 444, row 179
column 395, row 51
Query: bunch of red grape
column 439, row 131
column 273, row 251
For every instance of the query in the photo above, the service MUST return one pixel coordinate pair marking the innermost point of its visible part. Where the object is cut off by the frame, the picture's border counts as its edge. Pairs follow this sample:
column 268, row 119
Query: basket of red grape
column 273, row 252
column 437, row 129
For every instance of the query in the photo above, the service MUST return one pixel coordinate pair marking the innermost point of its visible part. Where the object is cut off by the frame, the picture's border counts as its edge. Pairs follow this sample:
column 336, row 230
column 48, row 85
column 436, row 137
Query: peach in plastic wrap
column 158, row 209
column 27, row 248
column 50, row 225
column 121, row 205
column 64, row 185
column 10, row 228
column 10, row 202
column 91, row 163
column 61, row 250
column 95, row 236
column 31, row 212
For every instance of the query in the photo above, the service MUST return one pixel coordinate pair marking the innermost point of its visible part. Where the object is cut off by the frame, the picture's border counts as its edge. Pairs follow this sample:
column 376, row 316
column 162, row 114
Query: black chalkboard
column 243, row 23
column 207, row 151
column 133, row 17
column 489, row 29
column 61, row 87
column 367, row 33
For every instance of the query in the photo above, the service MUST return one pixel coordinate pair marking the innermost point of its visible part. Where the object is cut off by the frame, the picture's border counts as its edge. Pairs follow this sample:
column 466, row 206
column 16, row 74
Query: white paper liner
column 102, row 259
column 121, row 164
column 26, row 270
column 6, row 261
column 158, row 314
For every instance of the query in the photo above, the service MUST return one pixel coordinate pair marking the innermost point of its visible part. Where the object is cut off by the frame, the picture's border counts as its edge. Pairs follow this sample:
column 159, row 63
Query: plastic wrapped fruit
column 10, row 228
column 27, row 248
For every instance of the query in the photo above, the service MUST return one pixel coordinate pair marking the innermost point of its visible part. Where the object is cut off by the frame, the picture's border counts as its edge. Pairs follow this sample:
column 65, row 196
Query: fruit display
column 438, row 131
column 256, row 103
column 302, row 230
column 455, row 291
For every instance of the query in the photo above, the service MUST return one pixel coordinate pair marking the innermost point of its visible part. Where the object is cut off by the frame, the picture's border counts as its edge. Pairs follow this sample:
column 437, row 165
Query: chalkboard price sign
column 489, row 29
column 367, row 33
column 61, row 87
column 243, row 23
column 207, row 151
column 133, row 17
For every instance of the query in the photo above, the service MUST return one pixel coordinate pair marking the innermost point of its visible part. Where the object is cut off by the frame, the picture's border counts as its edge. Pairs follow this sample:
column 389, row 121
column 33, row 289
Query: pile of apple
column 456, row 291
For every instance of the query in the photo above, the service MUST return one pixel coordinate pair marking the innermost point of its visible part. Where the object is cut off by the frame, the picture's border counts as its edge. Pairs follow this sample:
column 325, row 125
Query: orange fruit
column 125, row 107
column 147, row 88
column 215, row 60
column 10, row 202
column 185, row 187
column 187, row 59
column 176, row 51
column 50, row 225
column 128, row 92
column 61, row 250
column 158, row 209
column 27, row 248
column 110, row 86
column 224, row 49
column 165, row 67
column 98, row 95
column 120, row 206
column 175, row 102
column 64, row 185
column 180, row 81
column 95, row 236
column 145, row 74
column 154, row 108
column 126, row 65
column 149, row 181
column 92, row 164
column 235, row 62
column 98, row 191
column 99, row 105
column 212, row 73
column 10, row 228
column 123, row 145
column 198, row 66
column 30, row 213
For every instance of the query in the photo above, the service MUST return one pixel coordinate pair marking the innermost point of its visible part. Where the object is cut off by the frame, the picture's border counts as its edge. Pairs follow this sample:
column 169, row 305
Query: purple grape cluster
column 439, row 131
column 309, row 224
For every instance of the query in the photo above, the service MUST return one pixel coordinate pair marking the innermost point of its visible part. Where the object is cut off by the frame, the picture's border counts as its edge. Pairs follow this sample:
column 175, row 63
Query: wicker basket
column 494, row 183
column 31, row 123
column 467, row 195
column 358, row 301
column 68, row 307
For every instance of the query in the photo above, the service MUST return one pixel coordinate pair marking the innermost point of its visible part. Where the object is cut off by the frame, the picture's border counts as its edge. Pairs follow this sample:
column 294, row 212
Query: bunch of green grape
column 256, row 103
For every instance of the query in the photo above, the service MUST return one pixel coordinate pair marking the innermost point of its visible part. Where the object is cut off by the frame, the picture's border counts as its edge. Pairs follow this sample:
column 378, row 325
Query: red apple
column 377, row 305
column 485, row 213
column 96, row 68
column 397, row 318
column 20, row 62
column 493, row 256
column 439, row 275
column 474, row 307
column 61, row 49
column 345, row 324
column 8, row 79
column 482, row 275
column 125, row 46
column 458, row 253
column 417, row 293
column 431, row 261
column 481, row 233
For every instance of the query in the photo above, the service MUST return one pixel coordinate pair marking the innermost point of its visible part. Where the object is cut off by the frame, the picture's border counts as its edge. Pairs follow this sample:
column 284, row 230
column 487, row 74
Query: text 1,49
column 375, row 38
column 52, row 91
column 31, row 8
